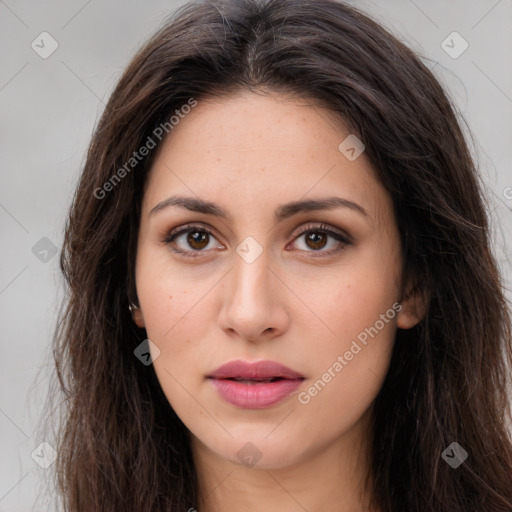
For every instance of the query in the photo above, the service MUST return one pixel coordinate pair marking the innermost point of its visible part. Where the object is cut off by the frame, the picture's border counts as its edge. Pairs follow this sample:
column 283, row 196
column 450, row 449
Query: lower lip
column 255, row 396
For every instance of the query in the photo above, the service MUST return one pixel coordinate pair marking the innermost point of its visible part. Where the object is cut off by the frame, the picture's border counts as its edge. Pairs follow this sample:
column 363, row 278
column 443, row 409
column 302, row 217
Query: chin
column 253, row 451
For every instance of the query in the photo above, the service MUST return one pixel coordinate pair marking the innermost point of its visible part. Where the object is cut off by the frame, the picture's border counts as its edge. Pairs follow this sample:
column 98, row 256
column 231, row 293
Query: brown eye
column 198, row 239
column 316, row 240
column 191, row 241
column 322, row 240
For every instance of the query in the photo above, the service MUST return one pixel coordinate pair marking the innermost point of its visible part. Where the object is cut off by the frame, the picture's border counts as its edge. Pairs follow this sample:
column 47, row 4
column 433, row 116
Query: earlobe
column 137, row 316
column 139, row 319
column 413, row 310
column 407, row 319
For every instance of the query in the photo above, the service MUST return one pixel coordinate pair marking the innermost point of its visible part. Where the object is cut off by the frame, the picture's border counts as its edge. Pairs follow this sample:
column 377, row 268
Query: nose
column 253, row 306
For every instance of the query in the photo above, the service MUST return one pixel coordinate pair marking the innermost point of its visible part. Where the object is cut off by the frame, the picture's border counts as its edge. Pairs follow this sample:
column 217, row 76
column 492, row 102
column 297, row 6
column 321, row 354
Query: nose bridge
column 250, row 306
column 251, row 278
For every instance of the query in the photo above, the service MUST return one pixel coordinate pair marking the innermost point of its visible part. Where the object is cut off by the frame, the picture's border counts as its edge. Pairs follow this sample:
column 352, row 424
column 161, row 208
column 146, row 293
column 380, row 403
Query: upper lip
column 254, row 371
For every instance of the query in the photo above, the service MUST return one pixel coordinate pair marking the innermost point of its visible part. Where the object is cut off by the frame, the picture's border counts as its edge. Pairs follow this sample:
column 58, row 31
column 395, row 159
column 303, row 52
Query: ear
column 414, row 305
column 138, row 317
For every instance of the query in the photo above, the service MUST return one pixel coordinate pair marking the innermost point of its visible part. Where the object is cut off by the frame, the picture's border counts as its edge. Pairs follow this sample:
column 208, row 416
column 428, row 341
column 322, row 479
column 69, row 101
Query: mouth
column 256, row 371
column 255, row 385
column 254, row 381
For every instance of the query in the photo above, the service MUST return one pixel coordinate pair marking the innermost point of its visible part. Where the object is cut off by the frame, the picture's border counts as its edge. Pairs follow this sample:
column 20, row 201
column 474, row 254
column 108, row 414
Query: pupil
column 196, row 239
column 316, row 239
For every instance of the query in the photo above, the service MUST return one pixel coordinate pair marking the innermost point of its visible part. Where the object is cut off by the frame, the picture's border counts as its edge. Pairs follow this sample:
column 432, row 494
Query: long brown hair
column 121, row 446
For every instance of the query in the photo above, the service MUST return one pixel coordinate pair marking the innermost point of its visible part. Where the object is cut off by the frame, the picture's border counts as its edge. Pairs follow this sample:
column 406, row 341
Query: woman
column 281, row 289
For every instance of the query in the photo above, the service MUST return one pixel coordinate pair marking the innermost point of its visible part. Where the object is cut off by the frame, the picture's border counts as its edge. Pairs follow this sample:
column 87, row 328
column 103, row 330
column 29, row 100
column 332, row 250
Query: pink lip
column 249, row 393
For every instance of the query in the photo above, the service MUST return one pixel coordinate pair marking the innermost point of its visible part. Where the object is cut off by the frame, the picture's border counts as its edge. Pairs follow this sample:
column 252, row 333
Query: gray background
column 50, row 106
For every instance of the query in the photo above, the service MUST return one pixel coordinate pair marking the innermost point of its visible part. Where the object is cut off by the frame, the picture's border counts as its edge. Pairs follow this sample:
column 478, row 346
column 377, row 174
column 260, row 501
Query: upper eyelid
column 322, row 226
column 186, row 228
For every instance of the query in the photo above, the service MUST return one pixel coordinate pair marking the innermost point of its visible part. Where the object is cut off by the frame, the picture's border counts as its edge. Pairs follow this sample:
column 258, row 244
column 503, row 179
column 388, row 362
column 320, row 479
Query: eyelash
column 310, row 228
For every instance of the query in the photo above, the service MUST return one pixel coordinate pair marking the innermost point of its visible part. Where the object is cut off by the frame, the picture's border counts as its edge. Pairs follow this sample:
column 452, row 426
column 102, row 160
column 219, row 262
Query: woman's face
column 279, row 279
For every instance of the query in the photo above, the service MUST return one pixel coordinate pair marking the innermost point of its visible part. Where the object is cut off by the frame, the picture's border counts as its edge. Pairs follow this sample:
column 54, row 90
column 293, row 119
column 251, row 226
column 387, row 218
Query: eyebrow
column 282, row 212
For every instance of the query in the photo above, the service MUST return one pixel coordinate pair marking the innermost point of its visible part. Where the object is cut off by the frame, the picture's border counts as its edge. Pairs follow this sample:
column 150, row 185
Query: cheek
column 179, row 314
column 358, row 304
column 170, row 298
column 176, row 316
column 354, row 296
column 347, row 374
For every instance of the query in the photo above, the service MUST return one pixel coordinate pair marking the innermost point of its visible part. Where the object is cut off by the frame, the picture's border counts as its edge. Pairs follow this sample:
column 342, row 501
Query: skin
column 294, row 304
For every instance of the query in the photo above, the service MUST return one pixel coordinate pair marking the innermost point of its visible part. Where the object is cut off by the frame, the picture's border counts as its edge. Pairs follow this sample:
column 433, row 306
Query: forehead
column 253, row 151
